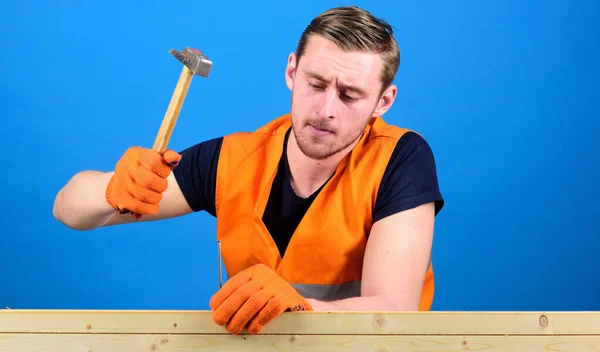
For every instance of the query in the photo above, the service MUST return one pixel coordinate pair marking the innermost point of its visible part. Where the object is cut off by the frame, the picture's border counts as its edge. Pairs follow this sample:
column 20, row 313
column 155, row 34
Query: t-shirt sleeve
column 410, row 178
column 196, row 174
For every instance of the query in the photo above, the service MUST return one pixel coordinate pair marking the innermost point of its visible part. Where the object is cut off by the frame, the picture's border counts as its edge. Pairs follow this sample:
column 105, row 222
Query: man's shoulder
column 406, row 141
column 413, row 142
column 412, row 152
column 381, row 128
column 410, row 177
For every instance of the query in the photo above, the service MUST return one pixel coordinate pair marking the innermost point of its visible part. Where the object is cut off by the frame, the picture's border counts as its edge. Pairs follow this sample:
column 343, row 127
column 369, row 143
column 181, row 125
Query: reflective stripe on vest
column 329, row 292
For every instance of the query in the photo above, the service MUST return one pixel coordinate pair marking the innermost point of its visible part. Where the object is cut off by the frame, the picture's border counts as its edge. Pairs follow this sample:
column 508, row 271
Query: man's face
column 334, row 96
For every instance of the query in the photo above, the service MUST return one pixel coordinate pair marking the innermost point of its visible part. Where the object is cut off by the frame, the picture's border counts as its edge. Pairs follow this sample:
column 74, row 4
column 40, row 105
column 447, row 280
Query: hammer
column 194, row 62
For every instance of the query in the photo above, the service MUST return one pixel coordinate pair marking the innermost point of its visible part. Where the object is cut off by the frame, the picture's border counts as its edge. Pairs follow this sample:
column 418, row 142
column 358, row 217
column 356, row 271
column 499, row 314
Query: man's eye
column 347, row 97
column 315, row 86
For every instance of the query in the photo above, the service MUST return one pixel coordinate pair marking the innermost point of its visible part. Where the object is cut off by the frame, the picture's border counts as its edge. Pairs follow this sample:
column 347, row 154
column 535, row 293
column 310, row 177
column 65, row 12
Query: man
column 325, row 208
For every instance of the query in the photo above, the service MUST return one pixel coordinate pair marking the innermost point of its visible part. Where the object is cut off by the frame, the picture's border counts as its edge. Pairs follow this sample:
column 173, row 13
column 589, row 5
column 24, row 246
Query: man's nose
column 329, row 103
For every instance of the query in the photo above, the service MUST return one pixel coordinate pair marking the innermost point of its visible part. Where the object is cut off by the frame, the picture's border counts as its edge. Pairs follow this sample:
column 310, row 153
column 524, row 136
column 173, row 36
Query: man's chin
column 317, row 151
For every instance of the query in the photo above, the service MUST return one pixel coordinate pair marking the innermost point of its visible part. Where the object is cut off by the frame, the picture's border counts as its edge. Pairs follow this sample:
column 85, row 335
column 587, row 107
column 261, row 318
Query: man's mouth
column 319, row 130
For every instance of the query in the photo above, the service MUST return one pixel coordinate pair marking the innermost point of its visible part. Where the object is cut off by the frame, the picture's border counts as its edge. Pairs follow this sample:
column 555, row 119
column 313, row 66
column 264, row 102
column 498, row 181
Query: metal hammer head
column 194, row 59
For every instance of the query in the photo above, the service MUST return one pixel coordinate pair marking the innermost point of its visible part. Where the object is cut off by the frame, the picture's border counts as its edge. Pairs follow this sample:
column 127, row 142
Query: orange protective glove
column 254, row 297
column 139, row 180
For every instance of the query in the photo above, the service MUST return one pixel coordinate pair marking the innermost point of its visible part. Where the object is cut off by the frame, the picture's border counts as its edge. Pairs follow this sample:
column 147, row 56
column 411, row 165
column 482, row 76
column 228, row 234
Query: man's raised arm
column 142, row 186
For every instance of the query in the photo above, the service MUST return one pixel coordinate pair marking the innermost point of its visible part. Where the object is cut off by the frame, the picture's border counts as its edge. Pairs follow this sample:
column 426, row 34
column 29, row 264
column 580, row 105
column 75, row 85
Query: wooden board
column 120, row 330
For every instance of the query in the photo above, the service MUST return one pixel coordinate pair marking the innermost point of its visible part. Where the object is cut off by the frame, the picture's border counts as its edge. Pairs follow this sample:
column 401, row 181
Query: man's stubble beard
column 307, row 144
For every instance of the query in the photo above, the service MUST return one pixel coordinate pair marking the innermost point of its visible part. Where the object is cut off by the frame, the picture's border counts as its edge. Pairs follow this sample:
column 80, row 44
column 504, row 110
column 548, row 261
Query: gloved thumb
column 172, row 157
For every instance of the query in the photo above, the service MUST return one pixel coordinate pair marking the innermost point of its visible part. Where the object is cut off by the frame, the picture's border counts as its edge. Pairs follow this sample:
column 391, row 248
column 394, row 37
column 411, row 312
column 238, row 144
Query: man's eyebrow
column 315, row 75
column 343, row 86
column 355, row 89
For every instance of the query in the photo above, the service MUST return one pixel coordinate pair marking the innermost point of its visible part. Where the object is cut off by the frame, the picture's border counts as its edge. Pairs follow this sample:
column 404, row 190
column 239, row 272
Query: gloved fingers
column 141, row 193
column 147, row 179
column 223, row 313
column 228, row 288
column 272, row 310
column 248, row 310
column 155, row 163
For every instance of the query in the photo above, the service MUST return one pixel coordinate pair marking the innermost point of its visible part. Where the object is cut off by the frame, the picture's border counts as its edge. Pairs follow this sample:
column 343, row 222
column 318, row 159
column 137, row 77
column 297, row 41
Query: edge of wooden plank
column 277, row 343
column 303, row 323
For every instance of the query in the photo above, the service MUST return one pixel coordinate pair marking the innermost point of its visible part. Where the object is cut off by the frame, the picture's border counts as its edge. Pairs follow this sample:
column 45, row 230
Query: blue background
column 505, row 92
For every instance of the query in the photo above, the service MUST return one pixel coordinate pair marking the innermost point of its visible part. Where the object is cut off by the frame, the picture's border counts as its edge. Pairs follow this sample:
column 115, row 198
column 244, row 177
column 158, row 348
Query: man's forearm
column 373, row 303
column 81, row 203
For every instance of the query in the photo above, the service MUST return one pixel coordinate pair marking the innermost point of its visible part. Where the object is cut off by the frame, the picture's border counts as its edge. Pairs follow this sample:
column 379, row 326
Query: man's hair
column 354, row 29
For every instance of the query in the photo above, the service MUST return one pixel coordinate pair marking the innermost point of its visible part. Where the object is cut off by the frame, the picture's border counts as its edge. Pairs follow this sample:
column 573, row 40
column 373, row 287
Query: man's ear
column 290, row 71
column 386, row 100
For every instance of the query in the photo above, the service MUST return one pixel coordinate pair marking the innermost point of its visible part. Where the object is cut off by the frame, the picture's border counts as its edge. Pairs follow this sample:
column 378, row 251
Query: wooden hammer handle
column 168, row 123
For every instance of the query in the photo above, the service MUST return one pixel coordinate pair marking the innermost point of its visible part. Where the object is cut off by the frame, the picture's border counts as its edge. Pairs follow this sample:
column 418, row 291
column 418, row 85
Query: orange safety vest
column 325, row 254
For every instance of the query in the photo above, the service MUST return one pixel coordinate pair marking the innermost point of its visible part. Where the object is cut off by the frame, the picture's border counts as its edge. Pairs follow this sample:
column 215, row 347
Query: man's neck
column 308, row 175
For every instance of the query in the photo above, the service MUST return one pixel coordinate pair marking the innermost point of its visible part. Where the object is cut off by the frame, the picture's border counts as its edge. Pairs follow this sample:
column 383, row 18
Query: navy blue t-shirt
column 410, row 179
